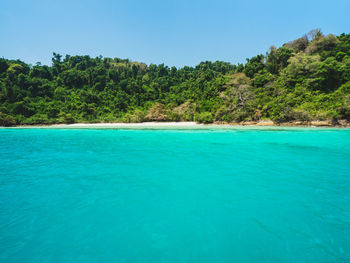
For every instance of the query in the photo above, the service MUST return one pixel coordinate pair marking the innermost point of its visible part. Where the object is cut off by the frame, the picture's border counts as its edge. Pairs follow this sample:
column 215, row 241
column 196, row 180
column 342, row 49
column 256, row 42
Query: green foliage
column 203, row 117
column 157, row 112
column 6, row 120
column 134, row 117
column 254, row 65
column 238, row 99
column 298, row 45
column 322, row 43
column 277, row 59
column 305, row 79
column 65, row 118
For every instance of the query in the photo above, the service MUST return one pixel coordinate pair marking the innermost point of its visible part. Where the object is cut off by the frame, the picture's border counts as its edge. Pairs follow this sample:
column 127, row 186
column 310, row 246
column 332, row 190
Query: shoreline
column 186, row 125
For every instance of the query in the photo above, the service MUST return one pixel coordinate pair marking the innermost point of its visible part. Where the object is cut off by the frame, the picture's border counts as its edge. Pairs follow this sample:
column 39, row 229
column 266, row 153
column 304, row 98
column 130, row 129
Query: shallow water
column 241, row 195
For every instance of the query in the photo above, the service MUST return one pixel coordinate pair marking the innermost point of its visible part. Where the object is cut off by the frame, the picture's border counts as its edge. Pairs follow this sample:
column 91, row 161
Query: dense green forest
column 305, row 79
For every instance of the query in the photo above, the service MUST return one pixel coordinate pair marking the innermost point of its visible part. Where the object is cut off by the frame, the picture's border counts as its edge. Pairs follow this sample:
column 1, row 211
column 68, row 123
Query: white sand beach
column 133, row 125
column 143, row 125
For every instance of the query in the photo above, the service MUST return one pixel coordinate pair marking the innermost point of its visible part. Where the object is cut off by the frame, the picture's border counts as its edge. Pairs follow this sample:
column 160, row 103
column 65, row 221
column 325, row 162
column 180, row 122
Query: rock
column 294, row 123
column 321, row 123
column 248, row 123
column 265, row 123
column 344, row 123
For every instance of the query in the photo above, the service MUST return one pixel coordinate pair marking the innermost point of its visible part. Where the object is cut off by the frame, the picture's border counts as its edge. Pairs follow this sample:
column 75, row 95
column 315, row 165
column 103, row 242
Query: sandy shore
column 143, row 125
column 131, row 125
column 182, row 125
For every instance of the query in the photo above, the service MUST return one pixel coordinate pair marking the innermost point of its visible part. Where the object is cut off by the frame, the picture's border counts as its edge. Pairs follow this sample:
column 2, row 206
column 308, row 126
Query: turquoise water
column 109, row 195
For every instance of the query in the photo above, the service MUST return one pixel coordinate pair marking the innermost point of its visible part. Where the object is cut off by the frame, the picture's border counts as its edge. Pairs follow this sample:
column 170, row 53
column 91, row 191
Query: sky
column 176, row 33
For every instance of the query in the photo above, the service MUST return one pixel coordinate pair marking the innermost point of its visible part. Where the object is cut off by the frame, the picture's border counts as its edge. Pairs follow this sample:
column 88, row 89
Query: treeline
column 305, row 79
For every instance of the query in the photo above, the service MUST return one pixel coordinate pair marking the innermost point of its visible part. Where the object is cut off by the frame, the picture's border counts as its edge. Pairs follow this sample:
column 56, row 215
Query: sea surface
column 212, row 195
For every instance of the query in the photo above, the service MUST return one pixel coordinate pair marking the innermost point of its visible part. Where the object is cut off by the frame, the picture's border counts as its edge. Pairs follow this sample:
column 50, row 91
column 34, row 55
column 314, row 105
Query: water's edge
column 177, row 126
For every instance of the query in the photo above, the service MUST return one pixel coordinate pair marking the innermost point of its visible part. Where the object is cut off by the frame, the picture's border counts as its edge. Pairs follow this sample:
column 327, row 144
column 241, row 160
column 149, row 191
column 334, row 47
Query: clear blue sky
column 182, row 32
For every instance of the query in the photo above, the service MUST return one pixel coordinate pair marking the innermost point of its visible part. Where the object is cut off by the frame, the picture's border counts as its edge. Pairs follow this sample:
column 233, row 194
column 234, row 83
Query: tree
column 277, row 59
column 238, row 97
column 56, row 62
column 299, row 44
column 254, row 65
column 314, row 33
column 157, row 112
column 6, row 120
column 300, row 80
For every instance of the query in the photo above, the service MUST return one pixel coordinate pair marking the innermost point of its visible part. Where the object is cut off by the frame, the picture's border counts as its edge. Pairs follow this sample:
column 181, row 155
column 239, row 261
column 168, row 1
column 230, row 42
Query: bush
column 203, row 117
column 136, row 117
column 65, row 118
column 37, row 119
column 300, row 115
column 157, row 112
column 6, row 120
column 222, row 114
column 174, row 116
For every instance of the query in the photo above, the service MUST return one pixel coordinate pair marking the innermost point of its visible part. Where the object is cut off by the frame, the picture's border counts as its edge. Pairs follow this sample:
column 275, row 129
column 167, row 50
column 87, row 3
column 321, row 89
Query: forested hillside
column 305, row 79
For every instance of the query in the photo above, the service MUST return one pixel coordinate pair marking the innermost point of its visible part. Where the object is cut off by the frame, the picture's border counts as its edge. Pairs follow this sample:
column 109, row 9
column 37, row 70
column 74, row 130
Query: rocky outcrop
column 265, row 123
column 319, row 123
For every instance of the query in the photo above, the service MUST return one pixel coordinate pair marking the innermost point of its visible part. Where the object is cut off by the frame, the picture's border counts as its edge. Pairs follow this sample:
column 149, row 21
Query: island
column 304, row 82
